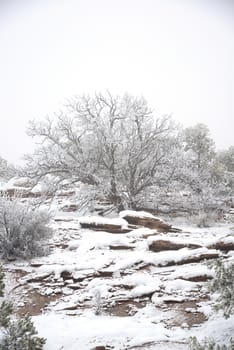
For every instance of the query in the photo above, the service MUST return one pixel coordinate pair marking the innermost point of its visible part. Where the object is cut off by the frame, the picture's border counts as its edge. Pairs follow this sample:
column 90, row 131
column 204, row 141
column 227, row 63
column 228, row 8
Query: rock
column 66, row 275
column 105, row 227
column 193, row 259
column 100, row 347
column 105, row 224
column 120, row 247
column 224, row 244
column 70, row 207
column 19, row 192
column 147, row 220
column 198, row 278
column 65, row 193
column 159, row 245
column 38, row 278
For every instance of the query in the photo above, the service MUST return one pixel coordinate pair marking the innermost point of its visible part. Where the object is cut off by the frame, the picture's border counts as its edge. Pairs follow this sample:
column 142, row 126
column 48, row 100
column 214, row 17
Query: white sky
column 178, row 54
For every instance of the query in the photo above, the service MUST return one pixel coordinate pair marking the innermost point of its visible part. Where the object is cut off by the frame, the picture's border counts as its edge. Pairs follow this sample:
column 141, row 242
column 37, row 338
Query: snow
column 98, row 220
column 187, row 272
column 106, row 280
column 225, row 239
column 88, row 331
column 19, row 184
column 175, row 240
column 167, row 257
column 140, row 214
column 180, row 285
column 141, row 232
column 38, row 188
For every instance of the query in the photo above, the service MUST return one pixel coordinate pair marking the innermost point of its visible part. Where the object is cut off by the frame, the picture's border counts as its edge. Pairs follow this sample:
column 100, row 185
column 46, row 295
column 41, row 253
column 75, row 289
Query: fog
column 179, row 55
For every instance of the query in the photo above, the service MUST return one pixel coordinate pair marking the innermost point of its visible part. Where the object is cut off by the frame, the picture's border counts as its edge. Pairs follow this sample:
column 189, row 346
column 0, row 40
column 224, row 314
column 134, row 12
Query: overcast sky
column 178, row 54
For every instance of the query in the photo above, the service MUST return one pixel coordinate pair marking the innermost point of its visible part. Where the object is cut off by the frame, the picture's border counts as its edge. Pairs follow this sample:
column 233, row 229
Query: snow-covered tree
column 114, row 143
column 226, row 157
column 225, row 169
column 22, row 229
column 197, row 172
column 199, row 144
column 6, row 170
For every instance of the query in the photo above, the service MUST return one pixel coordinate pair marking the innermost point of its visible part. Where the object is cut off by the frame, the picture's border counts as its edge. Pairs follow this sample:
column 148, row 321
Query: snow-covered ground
column 111, row 290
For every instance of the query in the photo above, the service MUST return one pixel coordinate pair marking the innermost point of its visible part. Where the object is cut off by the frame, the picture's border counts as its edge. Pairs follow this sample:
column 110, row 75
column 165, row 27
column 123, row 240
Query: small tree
column 200, row 145
column 22, row 229
column 201, row 175
column 16, row 335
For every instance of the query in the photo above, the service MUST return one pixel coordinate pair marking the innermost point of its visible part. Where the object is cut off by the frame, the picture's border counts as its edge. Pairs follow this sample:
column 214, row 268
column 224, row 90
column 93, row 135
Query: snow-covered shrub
column 223, row 283
column 209, row 344
column 21, row 335
column 16, row 335
column 1, row 282
column 206, row 218
column 97, row 301
column 22, row 229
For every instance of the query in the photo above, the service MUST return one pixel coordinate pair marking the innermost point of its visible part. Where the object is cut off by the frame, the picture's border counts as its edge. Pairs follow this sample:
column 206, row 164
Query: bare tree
column 115, row 143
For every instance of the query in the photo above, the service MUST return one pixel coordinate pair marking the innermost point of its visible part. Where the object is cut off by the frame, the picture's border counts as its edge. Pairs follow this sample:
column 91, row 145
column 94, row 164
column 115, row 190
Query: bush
column 1, row 283
column 206, row 218
column 16, row 335
column 223, row 283
column 209, row 344
column 22, row 229
column 21, row 335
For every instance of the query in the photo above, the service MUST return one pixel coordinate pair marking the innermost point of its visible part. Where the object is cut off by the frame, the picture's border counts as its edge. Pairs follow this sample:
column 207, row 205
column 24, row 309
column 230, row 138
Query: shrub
column 206, row 218
column 223, row 283
column 21, row 335
column 22, row 229
column 209, row 344
column 1, row 283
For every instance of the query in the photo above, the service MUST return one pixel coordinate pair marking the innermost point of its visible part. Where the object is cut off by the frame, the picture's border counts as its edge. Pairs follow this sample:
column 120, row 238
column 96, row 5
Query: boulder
column 70, row 207
column 148, row 220
column 158, row 245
